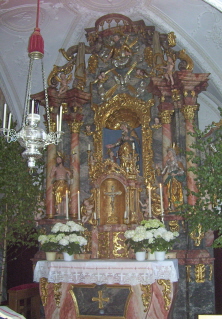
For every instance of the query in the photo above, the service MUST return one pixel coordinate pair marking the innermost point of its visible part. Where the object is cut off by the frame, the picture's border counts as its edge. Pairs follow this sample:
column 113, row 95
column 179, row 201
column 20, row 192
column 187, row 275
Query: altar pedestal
column 107, row 288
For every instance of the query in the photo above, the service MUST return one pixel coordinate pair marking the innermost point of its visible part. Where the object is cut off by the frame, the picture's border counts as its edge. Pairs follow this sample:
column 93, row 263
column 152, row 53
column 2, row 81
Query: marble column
column 189, row 114
column 167, row 142
column 75, row 167
column 51, row 161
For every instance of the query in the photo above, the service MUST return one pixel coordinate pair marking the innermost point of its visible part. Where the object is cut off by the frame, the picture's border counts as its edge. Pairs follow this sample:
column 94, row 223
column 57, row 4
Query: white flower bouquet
column 163, row 239
column 66, row 238
column 139, row 239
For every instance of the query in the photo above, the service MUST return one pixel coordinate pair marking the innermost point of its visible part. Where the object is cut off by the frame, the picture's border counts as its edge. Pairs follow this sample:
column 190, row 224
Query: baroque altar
column 129, row 101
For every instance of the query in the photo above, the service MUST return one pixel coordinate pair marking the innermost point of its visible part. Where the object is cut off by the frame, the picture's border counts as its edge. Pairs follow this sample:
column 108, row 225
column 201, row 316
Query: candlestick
column 150, row 212
column 60, row 119
column 78, row 205
column 4, row 115
column 67, row 205
column 161, row 199
column 57, row 122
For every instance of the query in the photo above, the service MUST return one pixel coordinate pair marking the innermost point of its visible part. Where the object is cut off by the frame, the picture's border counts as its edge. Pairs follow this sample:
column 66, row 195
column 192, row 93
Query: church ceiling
column 197, row 25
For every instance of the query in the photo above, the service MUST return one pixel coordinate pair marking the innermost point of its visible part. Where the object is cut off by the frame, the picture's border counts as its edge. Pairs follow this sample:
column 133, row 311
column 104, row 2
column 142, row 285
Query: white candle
column 57, row 122
column 60, row 119
column 133, row 146
column 9, row 120
column 150, row 213
column 33, row 104
column 89, row 147
column 78, row 206
column 161, row 199
column 95, row 216
column 125, row 214
column 4, row 115
column 67, row 205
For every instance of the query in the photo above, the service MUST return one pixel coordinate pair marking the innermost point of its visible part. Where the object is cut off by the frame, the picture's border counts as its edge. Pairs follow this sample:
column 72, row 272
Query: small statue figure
column 145, row 208
column 88, row 131
column 169, row 70
column 87, row 211
column 157, row 123
column 61, row 177
column 64, row 81
column 173, row 182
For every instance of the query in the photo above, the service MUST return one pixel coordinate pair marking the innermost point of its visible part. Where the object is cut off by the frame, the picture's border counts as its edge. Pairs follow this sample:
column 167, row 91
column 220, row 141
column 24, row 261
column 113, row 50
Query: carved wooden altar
column 137, row 88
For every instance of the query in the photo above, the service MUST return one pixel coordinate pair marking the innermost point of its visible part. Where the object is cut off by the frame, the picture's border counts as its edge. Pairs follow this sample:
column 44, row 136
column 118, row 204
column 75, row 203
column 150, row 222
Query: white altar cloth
column 108, row 271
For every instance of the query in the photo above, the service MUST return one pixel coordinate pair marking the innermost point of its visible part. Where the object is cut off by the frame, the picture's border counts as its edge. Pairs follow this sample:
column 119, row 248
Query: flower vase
column 67, row 257
column 151, row 256
column 140, row 255
column 50, row 255
column 160, row 255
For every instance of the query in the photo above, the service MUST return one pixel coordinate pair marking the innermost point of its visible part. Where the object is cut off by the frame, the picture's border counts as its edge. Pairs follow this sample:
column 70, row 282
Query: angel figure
column 101, row 79
column 64, row 81
column 169, row 70
column 87, row 211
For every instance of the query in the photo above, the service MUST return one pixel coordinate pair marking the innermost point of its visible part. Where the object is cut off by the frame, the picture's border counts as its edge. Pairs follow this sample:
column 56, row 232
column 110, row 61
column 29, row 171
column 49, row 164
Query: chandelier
column 33, row 138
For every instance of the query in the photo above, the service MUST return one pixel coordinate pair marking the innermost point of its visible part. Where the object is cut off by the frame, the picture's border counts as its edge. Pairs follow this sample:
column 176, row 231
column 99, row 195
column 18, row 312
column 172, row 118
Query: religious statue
column 173, row 182
column 87, row 211
column 120, row 52
column 64, row 81
column 169, row 70
column 128, row 141
column 112, row 219
column 61, row 176
column 145, row 207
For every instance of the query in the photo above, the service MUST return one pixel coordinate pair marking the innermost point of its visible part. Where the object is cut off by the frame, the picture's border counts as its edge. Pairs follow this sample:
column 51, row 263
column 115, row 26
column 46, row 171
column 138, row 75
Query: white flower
column 64, row 228
column 43, row 239
column 168, row 236
column 64, row 241
column 82, row 241
column 56, row 227
column 73, row 238
column 129, row 234
column 148, row 235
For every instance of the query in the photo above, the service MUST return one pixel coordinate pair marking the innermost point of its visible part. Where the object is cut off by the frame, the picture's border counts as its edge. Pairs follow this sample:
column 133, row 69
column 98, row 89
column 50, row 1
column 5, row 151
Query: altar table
column 98, row 288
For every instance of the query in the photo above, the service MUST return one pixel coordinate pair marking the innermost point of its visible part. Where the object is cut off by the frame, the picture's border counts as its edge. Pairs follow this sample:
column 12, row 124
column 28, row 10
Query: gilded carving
column 103, row 239
column 100, row 299
column 75, row 126
column 200, row 273
column 171, row 39
column 166, row 291
column 211, row 272
column 197, row 235
column 146, row 296
column 110, row 114
column 43, row 289
column 57, row 293
column 188, row 269
column 119, row 246
column 174, row 225
column 176, row 95
column 189, row 111
column 185, row 57
column 166, row 116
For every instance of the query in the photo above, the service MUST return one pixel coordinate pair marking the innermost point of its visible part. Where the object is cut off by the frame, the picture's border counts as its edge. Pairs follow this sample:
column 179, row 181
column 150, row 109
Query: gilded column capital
column 189, row 111
column 52, row 125
column 75, row 126
column 176, row 95
column 166, row 116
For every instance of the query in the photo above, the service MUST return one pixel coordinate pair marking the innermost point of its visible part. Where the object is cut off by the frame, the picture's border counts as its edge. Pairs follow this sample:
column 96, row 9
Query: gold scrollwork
column 197, row 235
column 185, row 57
column 110, row 114
column 146, row 296
column 120, row 249
column 166, row 116
column 188, row 272
column 103, row 239
column 166, row 291
column 189, row 111
column 211, row 267
column 43, row 289
column 57, row 293
column 200, row 273
column 176, row 96
column 171, row 39
column 174, row 225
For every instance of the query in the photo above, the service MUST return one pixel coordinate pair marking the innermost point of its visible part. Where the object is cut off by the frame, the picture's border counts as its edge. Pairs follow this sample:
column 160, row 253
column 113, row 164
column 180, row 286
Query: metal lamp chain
column 28, row 91
column 46, row 97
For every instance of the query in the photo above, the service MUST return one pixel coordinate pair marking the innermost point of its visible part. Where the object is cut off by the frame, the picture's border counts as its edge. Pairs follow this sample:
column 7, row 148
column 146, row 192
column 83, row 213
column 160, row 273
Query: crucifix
column 100, row 299
column 112, row 218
